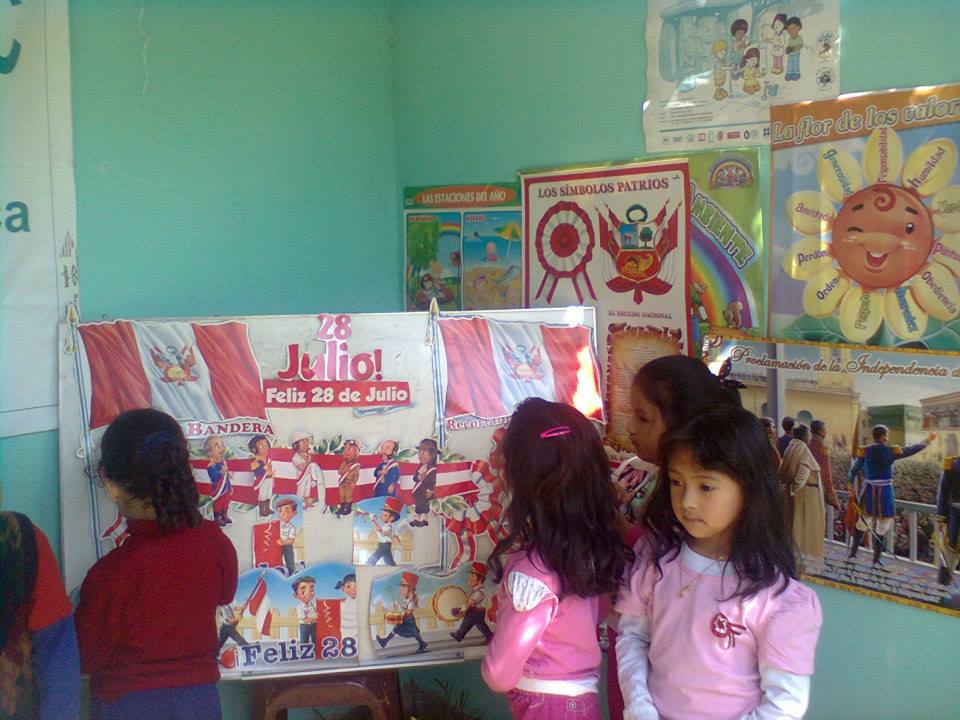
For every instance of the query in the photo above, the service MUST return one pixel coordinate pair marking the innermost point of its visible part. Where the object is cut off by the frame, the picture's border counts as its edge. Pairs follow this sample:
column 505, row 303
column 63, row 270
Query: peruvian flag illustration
column 488, row 367
column 188, row 370
column 259, row 607
column 266, row 551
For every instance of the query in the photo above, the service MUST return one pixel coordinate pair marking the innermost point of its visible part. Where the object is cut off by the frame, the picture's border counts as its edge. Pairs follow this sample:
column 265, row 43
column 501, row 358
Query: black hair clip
column 154, row 440
column 724, row 376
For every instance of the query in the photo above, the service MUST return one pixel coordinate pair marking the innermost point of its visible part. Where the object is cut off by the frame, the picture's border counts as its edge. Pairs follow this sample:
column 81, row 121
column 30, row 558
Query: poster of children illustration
column 870, row 475
column 714, row 68
column 318, row 445
column 463, row 246
column 866, row 199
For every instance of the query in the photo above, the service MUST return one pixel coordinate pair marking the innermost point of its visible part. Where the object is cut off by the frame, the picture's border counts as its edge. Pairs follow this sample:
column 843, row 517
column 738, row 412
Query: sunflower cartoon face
column 882, row 236
column 880, row 240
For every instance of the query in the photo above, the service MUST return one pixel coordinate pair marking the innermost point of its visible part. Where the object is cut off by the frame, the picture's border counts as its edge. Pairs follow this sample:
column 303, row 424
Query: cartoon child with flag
column 425, row 481
column 347, row 476
column 409, row 602
column 309, row 475
column 262, row 472
column 219, row 474
column 387, row 472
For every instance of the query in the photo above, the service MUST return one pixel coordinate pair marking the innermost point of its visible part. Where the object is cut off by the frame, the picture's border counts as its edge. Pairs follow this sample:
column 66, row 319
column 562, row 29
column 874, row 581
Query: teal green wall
column 261, row 171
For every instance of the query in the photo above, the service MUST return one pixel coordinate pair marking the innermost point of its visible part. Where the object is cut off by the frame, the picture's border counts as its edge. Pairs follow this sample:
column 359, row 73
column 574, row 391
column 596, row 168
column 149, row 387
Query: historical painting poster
column 615, row 238
column 872, row 496
column 715, row 67
column 866, row 219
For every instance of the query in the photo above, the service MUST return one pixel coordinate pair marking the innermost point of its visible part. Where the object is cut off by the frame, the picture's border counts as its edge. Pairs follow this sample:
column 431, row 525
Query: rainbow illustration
column 712, row 267
column 450, row 228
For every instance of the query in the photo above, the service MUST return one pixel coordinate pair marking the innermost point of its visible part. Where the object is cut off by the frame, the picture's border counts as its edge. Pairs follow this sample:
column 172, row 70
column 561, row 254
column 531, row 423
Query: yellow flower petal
column 945, row 206
column 946, row 251
column 905, row 318
column 838, row 173
column 810, row 212
column 823, row 293
column 806, row 258
column 930, row 167
column 860, row 314
column 883, row 156
column 935, row 289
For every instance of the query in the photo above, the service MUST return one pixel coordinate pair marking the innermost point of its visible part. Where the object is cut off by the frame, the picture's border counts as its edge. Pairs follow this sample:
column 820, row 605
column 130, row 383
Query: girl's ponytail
column 145, row 453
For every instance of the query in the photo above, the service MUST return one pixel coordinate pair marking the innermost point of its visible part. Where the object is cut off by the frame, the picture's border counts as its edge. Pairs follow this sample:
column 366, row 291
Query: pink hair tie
column 556, row 431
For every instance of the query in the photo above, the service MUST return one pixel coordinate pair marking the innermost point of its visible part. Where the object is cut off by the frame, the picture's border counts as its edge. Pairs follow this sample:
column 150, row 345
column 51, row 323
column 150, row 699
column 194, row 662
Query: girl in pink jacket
column 563, row 551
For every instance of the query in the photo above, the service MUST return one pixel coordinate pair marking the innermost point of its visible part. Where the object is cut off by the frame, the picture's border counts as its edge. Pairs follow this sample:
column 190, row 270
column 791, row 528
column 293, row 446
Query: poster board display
column 866, row 216
column 615, row 237
column 728, row 254
column 715, row 67
column 897, row 540
column 39, row 275
column 462, row 246
column 308, row 435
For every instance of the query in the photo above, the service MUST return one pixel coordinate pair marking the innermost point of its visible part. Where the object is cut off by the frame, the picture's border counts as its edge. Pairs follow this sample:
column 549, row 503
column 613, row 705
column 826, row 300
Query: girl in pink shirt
column 714, row 623
column 665, row 393
column 562, row 552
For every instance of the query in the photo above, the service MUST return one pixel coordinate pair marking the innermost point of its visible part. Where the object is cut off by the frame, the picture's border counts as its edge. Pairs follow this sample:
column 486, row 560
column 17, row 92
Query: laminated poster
column 413, row 612
column 866, row 219
column 728, row 258
column 463, row 246
column 856, row 530
column 715, row 68
column 615, row 238
column 318, row 445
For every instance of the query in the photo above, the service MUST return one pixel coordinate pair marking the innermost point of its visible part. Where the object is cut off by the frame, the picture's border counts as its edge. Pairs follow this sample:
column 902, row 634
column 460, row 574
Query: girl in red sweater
column 146, row 622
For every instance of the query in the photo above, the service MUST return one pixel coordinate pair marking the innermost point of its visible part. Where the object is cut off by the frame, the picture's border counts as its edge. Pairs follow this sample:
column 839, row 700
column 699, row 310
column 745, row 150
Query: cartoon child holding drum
column 473, row 615
column 407, row 625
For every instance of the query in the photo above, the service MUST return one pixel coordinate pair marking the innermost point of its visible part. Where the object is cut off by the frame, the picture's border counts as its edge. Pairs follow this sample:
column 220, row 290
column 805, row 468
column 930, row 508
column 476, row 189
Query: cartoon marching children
column 347, row 476
column 409, row 602
column 425, row 481
column 217, row 470
column 387, row 472
column 475, row 612
column 309, row 475
column 286, row 509
column 262, row 472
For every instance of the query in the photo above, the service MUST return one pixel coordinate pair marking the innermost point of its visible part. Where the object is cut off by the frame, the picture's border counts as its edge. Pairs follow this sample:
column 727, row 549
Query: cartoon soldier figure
column 217, row 470
column 425, row 481
column 473, row 615
column 875, row 494
column 386, row 531
column 347, row 476
column 262, row 472
column 409, row 603
column 387, row 472
column 287, row 508
column 309, row 476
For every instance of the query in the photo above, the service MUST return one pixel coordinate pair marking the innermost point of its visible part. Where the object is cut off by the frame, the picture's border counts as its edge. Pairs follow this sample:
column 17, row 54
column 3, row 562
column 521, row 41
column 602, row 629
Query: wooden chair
column 378, row 690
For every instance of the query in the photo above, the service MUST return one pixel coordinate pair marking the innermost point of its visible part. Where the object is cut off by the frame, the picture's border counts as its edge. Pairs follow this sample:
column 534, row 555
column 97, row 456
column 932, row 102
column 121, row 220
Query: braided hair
column 145, row 453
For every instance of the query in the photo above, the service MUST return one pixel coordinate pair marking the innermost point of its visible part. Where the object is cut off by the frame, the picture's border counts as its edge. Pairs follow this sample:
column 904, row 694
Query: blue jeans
column 193, row 702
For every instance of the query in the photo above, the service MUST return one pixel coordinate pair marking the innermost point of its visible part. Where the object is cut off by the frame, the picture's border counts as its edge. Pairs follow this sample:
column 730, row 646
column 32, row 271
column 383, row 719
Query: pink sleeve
column 634, row 595
column 526, row 605
column 788, row 639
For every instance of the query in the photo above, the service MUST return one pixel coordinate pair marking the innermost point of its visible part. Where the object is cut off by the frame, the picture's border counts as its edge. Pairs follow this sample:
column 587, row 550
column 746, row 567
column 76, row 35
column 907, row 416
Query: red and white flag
column 453, row 478
column 266, row 551
column 488, row 367
column 259, row 607
column 189, row 370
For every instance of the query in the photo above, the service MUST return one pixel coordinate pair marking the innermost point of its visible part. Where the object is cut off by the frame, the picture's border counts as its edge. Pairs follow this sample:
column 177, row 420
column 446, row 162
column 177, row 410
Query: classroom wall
column 253, row 164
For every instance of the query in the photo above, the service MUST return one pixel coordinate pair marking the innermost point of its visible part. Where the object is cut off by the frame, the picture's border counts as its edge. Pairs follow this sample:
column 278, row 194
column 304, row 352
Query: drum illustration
column 393, row 617
column 446, row 599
